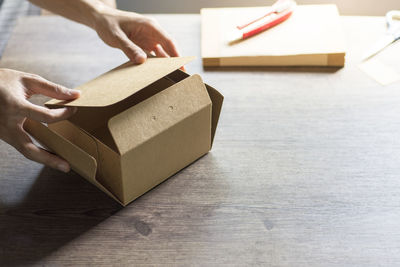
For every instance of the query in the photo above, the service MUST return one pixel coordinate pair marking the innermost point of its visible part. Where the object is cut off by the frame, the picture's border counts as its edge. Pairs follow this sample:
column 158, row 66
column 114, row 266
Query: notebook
column 312, row 36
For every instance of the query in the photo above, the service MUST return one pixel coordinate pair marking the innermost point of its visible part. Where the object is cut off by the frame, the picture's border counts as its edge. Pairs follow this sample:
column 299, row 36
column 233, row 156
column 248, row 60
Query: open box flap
column 80, row 161
column 122, row 82
column 149, row 118
column 217, row 100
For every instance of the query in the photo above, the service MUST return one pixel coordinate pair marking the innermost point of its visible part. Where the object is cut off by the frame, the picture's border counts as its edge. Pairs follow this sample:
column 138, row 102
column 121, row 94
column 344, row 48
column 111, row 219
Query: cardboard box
column 136, row 126
column 312, row 36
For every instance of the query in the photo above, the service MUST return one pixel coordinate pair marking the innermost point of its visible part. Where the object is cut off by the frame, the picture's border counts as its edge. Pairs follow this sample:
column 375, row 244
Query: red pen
column 278, row 13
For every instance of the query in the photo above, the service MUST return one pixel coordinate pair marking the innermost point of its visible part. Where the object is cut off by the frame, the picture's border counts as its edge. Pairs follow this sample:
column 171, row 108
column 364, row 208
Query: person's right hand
column 15, row 88
column 135, row 34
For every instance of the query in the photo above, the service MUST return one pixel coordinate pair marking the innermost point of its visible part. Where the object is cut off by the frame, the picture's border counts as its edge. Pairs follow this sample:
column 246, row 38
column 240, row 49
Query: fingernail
column 64, row 167
column 74, row 92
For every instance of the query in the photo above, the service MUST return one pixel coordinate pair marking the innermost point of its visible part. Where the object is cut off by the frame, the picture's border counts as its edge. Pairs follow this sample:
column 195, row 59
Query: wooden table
column 305, row 169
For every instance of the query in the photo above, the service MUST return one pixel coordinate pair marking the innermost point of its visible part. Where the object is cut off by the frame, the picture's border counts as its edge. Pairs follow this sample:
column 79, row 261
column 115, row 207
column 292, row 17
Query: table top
column 304, row 170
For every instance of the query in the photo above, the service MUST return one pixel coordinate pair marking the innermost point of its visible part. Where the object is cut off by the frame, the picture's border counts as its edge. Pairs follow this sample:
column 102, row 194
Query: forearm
column 82, row 11
column 135, row 34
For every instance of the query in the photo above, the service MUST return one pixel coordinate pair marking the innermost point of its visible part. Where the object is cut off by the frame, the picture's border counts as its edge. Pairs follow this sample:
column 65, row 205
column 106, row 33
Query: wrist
column 97, row 12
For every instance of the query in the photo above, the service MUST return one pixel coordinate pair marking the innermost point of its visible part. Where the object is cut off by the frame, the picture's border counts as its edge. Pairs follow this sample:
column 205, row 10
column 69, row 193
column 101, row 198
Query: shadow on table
column 274, row 69
column 57, row 209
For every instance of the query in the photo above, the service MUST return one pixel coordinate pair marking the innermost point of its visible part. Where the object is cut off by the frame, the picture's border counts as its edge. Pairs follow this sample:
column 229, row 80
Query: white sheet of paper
column 379, row 71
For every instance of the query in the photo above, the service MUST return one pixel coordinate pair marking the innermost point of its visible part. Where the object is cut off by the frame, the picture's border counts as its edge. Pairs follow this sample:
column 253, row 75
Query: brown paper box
column 136, row 125
column 312, row 36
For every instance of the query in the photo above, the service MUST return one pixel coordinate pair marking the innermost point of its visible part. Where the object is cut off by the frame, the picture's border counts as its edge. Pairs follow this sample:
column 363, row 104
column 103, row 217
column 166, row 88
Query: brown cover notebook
column 312, row 36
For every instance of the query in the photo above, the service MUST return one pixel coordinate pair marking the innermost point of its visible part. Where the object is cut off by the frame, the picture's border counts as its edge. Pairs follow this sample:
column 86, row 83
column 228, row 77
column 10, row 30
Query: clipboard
column 312, row 36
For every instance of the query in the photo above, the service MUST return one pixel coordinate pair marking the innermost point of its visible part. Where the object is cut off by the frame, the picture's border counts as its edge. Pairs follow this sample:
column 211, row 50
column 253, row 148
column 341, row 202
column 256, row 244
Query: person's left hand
column 134, row 34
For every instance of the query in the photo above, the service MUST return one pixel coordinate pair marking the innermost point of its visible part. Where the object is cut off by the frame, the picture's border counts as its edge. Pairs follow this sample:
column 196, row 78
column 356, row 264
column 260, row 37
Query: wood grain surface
column 305, row 169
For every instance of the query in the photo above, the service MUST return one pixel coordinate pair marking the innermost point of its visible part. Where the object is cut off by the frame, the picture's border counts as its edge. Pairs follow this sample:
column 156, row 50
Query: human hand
column 134, row 34
column 15, row 88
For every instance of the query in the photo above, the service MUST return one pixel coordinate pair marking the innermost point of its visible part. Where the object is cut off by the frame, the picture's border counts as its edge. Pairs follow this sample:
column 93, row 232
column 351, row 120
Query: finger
column 131, row 50
column 165, row 40
column 42, row 86
column 32, row 152
column 151, row 54
column 42, row 114
column 159, row 51
column 168, row 45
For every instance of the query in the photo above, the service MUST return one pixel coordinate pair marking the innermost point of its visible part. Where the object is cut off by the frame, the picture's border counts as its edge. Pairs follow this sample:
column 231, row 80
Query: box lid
column 122, row 82
column 151, row 117
column 313, row 35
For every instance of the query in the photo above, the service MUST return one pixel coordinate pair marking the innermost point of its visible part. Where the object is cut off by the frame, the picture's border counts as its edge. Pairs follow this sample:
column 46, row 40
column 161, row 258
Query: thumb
column 131, row 50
